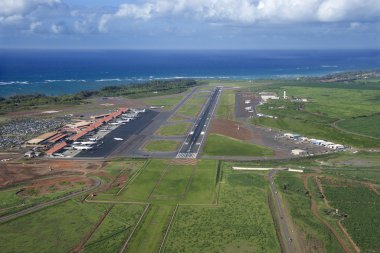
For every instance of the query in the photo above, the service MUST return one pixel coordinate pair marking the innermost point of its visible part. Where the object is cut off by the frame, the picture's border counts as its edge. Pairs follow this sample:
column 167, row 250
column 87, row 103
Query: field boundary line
column 189, row 182
column 87, row 237
column 163, row 173
column 125, row 245
column 133, row 177
column 168, row 229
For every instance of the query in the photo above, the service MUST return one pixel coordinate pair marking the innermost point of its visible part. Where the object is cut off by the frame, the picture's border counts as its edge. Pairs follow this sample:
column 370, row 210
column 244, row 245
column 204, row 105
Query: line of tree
column 152, row 88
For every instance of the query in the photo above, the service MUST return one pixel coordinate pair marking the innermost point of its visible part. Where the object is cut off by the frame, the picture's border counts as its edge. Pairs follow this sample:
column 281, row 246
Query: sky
column 190, row 24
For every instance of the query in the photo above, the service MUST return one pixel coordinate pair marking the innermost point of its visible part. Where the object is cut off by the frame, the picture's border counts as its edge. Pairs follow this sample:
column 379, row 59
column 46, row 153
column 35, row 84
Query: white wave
column 14, row 82
column 109, row 80
column 329, row 66
column 66, row 80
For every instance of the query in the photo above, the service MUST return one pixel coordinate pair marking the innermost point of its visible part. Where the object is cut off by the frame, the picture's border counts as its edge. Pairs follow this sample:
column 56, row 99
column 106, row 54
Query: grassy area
column 141, row 188
column 313, row 235
column 176, row 117
column 151, row 231
column 190, row 110
column 366, row 125
column 203, row 187
column 58, row 228
column 168, row 102
column 230, row 227
column 326, row 104
column 115, row 229
column 174, row 129
column 173, row 183
column 361, row 205
column 161, row 146
column 226, row 109
column 219, row 145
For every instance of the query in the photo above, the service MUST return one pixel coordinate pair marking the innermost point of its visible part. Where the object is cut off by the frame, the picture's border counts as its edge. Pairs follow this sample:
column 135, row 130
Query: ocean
column 57, row 72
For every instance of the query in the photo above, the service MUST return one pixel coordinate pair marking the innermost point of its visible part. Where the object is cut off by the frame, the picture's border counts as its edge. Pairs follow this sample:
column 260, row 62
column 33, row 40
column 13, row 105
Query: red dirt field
column 230, row 128
column 12, row 173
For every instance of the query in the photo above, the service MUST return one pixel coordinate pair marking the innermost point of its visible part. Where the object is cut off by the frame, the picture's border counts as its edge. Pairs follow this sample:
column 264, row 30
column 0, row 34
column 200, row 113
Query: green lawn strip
column 219, row 145
column 174, row 183
column 174, row 129
column 190, row 110
column 58, row 228
column 242, row 222
column 114, row 230
column 226, row 109
column 150, row 233
column 143, row 185
column 314, row 233
column 161, row 146
column 368, row 175
column 368, row 125
column 168, row 103
column 196, row 100
column 361, row 205
column 176, row 117
column 202, row 189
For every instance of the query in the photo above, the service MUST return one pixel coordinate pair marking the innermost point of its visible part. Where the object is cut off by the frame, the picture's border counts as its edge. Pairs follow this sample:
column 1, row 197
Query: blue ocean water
column 55, row 72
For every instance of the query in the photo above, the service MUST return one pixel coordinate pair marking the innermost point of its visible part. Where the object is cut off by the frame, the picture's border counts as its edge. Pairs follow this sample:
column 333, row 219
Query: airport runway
column 194, row 141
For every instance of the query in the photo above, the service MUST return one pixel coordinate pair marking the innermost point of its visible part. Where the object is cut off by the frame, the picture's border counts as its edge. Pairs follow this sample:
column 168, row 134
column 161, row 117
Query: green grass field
column 230, row 227
column 226, row 109
column 219, row 145
column 58, row 228
column 151, row 231
column 168, row 102
column 327, row 104
column 190, row 110
column 161, row 146
column 174, row 129
column 362, row 208
column 115, row 229
column 314, row 234
column 368, row 125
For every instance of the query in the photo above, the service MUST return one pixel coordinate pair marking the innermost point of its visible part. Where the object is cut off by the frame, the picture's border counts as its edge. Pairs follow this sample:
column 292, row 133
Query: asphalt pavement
column 286, row 236
column 124, row 132
column 194, row 140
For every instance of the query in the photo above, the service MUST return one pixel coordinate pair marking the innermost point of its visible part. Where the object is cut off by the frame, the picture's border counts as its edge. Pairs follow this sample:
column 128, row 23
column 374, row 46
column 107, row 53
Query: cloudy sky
column 190, row 24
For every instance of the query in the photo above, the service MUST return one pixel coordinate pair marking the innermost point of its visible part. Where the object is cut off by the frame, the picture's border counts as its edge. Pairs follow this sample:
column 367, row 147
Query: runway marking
column 186, row 155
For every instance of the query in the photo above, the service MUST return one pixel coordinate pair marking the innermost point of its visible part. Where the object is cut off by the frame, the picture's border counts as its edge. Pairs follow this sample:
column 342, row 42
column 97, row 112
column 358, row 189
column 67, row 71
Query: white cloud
column 250, row 11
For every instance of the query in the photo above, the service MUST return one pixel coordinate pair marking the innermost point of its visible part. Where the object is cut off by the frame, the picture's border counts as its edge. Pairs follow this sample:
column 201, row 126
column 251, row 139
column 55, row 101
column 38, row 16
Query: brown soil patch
column 121, row 180
column 52, row 185
column 11, row 173
column 231, row 128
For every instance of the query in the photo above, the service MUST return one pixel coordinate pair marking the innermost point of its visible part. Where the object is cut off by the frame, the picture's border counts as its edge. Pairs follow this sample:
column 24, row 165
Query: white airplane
column 118, row 139
column 82, row 147
column 115, row 123
column 123, row 121
column 94, row 138
column 88, row 142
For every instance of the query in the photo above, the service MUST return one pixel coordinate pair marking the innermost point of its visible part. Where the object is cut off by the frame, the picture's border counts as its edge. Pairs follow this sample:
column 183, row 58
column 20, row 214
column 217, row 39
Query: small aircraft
column 118, row 139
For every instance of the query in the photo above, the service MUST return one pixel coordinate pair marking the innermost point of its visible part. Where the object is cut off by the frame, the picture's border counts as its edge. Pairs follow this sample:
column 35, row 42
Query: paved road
column 286, row 237
column 49, row 203
column 194, row 140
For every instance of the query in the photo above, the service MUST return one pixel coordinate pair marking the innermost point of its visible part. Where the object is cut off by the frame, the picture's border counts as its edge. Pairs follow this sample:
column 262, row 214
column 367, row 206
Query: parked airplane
column 118, row 139
column 82, row 147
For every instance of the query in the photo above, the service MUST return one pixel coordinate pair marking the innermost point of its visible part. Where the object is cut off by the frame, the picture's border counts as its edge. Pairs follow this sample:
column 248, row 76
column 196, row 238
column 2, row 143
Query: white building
column 298, row 152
